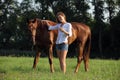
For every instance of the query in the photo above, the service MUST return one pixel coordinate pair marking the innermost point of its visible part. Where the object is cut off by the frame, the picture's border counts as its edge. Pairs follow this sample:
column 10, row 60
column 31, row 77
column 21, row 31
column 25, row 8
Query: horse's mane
column 44, row 22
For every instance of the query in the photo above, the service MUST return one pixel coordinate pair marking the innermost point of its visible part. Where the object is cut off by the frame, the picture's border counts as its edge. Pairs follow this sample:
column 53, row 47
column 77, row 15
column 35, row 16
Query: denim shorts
column 62, row 46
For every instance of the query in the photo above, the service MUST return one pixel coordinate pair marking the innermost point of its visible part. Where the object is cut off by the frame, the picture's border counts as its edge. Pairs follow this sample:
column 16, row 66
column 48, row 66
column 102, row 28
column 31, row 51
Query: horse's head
column 38, row 27
column 32, row 26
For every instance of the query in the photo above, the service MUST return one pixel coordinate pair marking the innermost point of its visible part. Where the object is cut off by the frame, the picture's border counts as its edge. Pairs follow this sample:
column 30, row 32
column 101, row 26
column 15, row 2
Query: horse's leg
column 36, row 59
column 50, row 55
column 87, row 53
column 79, row 58
column 86, row 61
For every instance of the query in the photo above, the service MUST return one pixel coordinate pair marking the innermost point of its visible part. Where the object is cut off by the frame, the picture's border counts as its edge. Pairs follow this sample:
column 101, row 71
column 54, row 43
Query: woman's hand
column 62, row 29
column 47, row 23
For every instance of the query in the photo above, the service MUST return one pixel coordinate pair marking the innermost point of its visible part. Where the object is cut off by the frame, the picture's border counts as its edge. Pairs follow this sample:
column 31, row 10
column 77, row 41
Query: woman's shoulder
column 69, row 24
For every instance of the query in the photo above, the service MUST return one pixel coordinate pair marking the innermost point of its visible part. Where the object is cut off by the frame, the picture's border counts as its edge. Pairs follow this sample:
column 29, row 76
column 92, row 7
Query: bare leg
column 62, row 58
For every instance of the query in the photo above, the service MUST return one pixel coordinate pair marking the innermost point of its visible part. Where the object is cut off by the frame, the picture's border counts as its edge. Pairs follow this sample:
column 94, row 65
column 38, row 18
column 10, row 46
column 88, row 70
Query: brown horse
column 45, row 39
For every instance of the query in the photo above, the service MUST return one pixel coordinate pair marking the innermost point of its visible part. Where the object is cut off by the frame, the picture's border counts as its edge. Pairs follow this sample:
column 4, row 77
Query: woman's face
column 61, row 18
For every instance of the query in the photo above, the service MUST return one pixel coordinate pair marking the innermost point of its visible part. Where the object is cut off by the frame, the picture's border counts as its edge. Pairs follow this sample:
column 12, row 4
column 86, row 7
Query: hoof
column 86, row 70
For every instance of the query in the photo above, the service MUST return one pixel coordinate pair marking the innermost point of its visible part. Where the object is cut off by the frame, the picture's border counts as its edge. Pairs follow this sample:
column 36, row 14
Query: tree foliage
column 14, row 33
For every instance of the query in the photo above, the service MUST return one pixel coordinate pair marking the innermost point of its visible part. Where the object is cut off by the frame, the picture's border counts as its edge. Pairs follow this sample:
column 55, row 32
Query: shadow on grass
column 2, row 71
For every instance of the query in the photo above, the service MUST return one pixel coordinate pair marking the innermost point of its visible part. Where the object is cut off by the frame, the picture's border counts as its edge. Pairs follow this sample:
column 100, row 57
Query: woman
column 64, row 31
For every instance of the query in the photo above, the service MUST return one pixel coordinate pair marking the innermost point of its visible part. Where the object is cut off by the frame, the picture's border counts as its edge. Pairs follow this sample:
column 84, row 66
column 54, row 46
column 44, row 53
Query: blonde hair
column 62, row 14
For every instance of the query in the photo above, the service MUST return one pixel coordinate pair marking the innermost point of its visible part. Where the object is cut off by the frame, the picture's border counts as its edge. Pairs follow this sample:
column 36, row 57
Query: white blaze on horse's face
column 32, row 26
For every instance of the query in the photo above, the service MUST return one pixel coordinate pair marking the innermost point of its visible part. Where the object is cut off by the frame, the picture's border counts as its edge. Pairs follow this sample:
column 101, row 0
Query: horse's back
column 80, row 27
column 80, row 31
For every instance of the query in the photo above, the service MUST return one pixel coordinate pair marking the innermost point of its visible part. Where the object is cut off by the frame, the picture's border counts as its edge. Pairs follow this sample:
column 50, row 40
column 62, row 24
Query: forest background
column 103, row 17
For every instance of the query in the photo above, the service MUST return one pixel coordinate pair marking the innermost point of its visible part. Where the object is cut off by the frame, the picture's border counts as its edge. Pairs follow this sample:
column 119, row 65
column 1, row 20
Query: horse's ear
column 34, row 20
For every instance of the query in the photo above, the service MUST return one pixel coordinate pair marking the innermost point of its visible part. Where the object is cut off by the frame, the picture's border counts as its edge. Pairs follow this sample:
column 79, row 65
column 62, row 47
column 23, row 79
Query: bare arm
column 50, row 27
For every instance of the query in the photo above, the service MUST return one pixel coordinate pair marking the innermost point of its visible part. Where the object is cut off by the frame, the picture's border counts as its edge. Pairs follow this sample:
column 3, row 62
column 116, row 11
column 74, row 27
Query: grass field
column 20, row 68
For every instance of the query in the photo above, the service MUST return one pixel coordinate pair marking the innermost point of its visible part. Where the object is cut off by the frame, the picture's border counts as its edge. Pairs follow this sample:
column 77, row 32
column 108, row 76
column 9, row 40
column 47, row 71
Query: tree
column 99, row 17
column 111, row 9
column 7, row 8
column 4, row 6
column 81, row 10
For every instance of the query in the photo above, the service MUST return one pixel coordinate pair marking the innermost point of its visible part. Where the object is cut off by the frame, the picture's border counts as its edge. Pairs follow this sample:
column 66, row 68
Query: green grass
column 20, row 68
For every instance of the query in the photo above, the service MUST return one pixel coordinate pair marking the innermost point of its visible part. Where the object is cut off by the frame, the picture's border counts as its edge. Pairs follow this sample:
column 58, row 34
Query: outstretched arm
column 51, row 27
